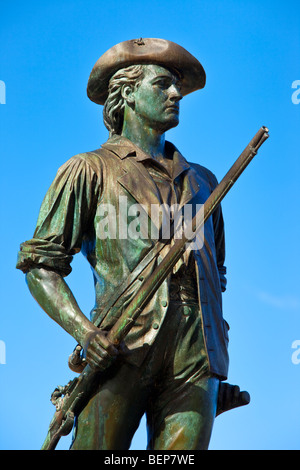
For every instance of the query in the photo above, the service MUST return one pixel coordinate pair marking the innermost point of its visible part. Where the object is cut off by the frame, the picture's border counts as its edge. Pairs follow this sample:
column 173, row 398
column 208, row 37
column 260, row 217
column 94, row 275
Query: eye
column 179, row 86
column 161, row 83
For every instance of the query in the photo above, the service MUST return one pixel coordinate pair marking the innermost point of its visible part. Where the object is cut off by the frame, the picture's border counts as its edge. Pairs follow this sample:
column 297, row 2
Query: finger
column 105, row 344
column 122, row 348
column 236, row 392
column 96, row 365
column 98, row 355
column 103, row 354
column 98, row 361
column 93, row 361
column 227, row 393
column 95, row 349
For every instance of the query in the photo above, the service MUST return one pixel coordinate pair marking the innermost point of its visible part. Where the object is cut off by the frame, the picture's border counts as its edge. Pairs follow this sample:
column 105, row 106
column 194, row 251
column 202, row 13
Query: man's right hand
column 54, row 295
column 100, row 353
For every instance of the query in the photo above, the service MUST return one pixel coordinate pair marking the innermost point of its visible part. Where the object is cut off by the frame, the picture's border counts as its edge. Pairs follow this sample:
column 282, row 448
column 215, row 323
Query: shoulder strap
column 109, row 302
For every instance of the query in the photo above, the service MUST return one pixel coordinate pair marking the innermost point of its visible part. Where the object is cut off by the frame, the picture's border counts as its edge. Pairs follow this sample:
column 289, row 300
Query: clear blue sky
column 251, row 53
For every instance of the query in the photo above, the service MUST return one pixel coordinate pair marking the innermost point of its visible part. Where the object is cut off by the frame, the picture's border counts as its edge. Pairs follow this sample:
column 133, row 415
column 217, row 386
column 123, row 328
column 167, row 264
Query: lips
column 173, row 108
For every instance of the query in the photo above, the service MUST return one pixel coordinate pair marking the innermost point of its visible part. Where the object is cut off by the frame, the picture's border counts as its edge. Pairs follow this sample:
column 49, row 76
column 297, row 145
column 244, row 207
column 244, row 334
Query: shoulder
column 87, row 163
column 205, row 173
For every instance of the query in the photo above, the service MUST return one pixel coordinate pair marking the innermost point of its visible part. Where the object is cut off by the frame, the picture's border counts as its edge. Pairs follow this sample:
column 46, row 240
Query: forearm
column 55, row 297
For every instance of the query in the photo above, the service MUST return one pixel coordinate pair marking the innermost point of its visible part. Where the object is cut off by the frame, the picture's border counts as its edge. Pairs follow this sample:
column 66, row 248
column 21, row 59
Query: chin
column 166, row 126
column 172, row 124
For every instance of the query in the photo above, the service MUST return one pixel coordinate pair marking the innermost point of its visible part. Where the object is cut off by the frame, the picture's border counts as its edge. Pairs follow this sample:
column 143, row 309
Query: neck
column 147, row 139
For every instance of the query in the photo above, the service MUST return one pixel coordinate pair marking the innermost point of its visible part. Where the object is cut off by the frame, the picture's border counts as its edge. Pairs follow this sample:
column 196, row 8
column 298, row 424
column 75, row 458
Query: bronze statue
column 171, row 359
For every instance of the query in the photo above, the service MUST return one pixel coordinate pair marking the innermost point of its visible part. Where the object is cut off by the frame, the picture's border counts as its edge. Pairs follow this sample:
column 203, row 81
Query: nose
column 174, row 93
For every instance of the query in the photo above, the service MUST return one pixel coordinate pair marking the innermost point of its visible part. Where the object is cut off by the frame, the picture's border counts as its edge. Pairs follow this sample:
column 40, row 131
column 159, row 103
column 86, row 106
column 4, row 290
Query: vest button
column 186, row 310
column 155, row 326
column 164, row 303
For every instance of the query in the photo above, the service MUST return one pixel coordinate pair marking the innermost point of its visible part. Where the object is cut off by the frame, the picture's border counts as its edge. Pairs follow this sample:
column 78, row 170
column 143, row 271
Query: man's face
column 156, row 99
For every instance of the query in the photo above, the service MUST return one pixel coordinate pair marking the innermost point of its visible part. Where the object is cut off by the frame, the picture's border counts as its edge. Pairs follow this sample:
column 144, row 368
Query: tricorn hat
column 145, row 51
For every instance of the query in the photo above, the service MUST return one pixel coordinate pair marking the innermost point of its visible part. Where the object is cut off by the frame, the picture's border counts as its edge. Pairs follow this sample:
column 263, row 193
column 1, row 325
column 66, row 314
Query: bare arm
column 67, row 211
column 55, row 297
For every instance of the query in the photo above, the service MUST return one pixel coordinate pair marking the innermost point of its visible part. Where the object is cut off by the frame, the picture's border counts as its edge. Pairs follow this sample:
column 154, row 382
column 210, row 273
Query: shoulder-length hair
column 113, row 111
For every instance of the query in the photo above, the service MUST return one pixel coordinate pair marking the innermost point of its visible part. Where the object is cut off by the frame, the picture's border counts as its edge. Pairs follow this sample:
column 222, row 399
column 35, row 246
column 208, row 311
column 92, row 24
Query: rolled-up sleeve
column 65, row 216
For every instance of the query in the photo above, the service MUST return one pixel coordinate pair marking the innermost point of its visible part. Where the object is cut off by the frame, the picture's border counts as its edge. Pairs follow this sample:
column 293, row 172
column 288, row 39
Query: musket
column 71, row 399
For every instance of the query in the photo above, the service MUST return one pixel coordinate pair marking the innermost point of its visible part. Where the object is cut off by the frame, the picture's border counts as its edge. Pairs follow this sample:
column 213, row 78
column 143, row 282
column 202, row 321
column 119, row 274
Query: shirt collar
column 124, row 148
